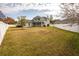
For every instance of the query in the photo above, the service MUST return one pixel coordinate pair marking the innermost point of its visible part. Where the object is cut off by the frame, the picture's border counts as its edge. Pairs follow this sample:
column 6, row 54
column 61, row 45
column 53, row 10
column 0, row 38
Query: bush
column 47, row 25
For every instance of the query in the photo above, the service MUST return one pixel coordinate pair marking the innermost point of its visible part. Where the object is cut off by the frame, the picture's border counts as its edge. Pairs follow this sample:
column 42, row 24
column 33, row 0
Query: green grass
column 39, row 41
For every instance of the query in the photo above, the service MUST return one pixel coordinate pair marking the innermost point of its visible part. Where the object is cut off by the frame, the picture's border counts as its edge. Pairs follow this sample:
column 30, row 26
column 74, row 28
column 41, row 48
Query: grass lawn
column 39, row 41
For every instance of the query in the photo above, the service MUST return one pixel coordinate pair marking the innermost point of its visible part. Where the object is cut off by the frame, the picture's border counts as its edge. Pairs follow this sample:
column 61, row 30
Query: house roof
column 39, row 19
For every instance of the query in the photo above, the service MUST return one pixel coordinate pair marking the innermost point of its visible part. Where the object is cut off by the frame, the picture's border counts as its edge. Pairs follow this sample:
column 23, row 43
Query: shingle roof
column 39, row 19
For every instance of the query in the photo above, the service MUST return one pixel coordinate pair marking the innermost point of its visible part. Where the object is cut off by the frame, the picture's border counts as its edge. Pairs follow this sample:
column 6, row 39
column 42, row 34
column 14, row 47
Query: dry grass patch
column 39, row 41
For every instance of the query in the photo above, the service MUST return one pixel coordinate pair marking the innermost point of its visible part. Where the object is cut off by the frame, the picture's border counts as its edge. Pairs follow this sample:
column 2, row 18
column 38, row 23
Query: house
column 40, row 21
column 35, row 22
column 29, row 23
column 7, row 20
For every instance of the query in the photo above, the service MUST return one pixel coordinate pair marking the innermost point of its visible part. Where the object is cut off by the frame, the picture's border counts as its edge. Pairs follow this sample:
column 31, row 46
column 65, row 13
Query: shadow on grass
column 73, row 45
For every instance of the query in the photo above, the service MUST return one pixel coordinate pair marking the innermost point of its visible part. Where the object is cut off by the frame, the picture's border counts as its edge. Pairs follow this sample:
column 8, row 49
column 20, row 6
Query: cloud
column 10, row 7
column 46, row 8
column 31, row 1
column 25, row 6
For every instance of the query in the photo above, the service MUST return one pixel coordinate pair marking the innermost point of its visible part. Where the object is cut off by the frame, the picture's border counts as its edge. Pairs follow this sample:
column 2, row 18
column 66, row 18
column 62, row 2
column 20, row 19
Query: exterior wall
column 38, row 23
column 41, row 24
column 28, row 24
column 46, row 23
column 35, row 24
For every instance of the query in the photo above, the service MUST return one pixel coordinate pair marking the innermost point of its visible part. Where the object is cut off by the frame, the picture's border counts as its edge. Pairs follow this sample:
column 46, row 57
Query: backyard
column 39, row 41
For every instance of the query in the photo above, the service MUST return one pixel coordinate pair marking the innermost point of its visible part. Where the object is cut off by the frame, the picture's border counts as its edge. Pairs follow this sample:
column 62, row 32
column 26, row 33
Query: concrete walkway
column 3, row 29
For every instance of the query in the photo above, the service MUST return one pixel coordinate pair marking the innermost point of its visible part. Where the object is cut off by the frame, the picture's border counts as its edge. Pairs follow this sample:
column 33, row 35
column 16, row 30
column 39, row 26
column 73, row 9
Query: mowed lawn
column 39, row 41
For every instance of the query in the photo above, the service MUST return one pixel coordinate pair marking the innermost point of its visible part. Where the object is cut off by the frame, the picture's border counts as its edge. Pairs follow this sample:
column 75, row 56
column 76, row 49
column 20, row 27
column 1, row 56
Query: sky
column 30, row 10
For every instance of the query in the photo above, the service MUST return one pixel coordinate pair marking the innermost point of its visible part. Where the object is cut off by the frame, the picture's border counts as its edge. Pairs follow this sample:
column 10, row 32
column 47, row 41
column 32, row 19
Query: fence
column 3, row 29
column 73, row 28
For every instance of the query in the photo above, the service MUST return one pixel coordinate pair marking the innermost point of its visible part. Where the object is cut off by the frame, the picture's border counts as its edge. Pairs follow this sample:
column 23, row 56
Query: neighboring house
column 65, row 21
column 57, row 21
column 7, row 20
column 29, row 23
column 40, row 21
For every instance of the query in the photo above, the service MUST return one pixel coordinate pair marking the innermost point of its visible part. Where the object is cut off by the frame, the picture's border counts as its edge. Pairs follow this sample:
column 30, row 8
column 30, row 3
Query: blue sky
column 30, row 9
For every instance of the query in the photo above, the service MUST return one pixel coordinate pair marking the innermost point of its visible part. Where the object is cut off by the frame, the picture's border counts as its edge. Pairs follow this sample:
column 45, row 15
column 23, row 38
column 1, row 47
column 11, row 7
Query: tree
column 70, row 11
column 22, row 21
column 50, row 18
